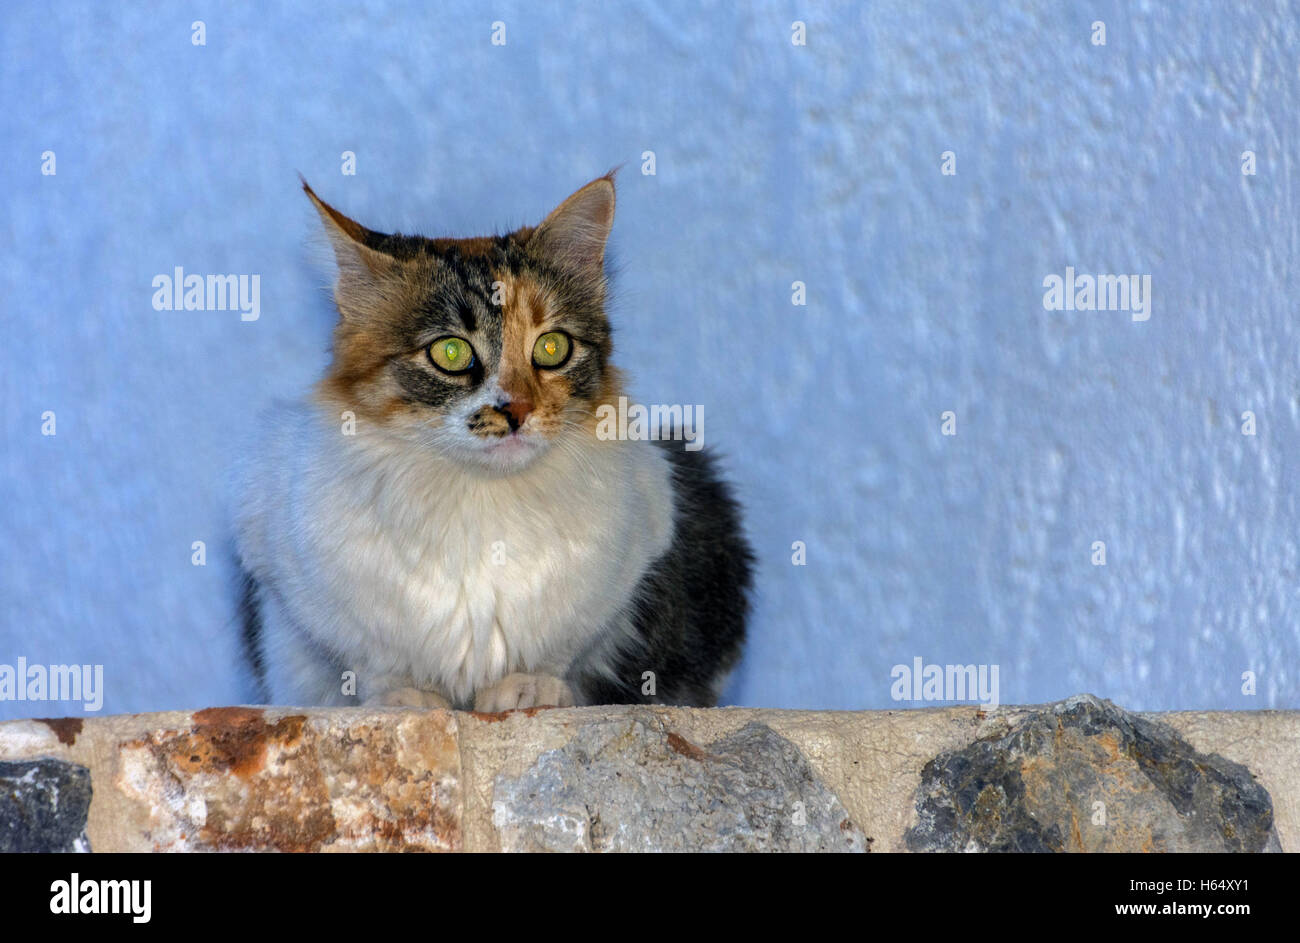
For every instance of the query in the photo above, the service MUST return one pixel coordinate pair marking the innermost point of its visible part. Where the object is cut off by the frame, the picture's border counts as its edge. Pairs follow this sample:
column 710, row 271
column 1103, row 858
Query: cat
column 439, row 523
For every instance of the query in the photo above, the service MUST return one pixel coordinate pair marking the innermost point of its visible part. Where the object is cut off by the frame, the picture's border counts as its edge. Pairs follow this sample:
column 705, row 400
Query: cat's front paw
column 517, row 691
column 407, row 697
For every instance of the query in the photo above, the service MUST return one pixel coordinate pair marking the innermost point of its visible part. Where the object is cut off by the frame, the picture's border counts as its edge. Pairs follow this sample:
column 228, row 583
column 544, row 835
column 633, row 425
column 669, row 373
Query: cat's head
column 489, row 350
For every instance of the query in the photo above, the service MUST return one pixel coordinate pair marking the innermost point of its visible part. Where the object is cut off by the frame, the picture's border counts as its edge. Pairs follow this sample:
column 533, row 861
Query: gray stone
column 43, row 806
column 1085, row 775
column 633, row 785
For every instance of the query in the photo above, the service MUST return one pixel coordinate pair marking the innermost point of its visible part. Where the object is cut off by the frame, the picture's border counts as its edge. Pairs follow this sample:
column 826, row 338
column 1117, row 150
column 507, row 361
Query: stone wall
column 1080, row 775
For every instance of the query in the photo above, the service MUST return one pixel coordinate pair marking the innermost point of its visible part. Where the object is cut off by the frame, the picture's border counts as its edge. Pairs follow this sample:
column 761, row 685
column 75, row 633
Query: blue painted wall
column 775, row 163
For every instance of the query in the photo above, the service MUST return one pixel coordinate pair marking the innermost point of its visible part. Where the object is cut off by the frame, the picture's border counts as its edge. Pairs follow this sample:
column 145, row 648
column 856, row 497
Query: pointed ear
column 574, row 235
column 362, row 270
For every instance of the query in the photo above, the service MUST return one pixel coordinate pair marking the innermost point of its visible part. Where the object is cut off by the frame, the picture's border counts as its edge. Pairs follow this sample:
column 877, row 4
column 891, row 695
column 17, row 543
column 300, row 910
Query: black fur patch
column 425, row 386
column 691, row 607
column 251, row 632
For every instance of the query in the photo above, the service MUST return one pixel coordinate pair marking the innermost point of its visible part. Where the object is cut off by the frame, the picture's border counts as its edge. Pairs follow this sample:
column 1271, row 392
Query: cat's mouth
column 510, row 452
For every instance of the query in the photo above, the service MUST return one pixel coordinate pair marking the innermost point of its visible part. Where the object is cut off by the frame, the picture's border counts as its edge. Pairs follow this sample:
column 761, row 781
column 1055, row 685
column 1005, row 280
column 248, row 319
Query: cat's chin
column 506, row 456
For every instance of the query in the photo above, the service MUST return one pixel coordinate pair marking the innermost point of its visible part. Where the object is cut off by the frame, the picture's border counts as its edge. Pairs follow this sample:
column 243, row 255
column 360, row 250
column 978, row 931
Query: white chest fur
column 414, row 570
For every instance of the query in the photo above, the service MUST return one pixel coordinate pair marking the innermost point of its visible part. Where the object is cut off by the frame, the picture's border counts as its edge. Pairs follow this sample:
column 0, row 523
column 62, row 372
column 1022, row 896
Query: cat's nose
column 515, row 411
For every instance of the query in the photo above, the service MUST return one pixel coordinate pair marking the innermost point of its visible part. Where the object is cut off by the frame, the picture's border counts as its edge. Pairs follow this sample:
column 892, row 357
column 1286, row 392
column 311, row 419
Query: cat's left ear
column 575, row 233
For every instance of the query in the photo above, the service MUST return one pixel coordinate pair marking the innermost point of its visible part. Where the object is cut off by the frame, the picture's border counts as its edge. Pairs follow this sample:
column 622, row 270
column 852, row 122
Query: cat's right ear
column 363, row 271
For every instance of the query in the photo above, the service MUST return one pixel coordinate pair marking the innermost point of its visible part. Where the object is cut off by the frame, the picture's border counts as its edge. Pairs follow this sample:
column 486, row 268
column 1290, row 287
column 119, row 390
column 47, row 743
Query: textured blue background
column 775, row 163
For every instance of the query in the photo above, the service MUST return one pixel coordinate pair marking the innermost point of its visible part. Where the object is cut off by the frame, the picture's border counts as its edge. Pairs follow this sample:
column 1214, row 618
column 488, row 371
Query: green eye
column 552, row 350
column 453, row 354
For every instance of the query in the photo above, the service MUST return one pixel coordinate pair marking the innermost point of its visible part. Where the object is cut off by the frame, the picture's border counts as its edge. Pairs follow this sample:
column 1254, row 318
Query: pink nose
column 517, row 410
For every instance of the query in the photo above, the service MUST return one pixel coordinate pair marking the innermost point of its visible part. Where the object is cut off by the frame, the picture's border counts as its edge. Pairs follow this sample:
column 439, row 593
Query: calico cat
column 440, row 522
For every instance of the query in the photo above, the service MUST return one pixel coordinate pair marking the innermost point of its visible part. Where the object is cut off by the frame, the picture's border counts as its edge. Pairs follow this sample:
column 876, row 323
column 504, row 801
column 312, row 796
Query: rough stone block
column 237, row 780
column 44, row 804
column 1084, row 775
column 631, row 784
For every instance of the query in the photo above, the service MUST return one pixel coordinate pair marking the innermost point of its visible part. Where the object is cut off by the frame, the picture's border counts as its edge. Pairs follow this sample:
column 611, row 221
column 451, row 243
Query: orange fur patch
column 525, row 312
column 522, row 312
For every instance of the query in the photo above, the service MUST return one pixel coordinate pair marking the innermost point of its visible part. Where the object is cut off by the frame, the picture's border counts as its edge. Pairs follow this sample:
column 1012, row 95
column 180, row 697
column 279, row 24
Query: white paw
column 408, row 697
column 517, row 691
